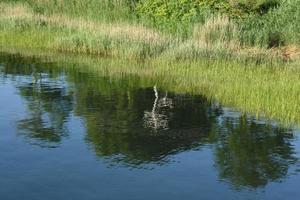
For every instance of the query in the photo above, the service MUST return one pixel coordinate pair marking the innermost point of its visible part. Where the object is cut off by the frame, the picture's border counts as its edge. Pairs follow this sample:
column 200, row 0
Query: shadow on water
column 140, row 127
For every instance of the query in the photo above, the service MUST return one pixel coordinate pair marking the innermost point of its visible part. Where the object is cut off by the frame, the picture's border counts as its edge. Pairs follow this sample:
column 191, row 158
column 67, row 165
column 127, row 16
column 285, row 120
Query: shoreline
column 270, row 92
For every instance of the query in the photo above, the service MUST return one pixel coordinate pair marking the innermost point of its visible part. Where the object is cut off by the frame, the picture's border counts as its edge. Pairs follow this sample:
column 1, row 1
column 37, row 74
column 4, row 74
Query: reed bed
column 23, row 25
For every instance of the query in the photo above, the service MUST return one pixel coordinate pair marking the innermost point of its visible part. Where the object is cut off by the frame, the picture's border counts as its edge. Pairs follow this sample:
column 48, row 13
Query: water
column 69, row 134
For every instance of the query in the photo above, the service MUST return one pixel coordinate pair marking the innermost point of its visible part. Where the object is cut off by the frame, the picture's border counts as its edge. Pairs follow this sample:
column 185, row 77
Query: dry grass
column 216, row 29
column 15, row 11
column 130, row 31
column 290, row 53
column 217, row 37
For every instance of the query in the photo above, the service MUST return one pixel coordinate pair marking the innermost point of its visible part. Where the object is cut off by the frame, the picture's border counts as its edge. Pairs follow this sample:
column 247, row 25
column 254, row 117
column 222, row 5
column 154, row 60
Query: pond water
column 70, row 134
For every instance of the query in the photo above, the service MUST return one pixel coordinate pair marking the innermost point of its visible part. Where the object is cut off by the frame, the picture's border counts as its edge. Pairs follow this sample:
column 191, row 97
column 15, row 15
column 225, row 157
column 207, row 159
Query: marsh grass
column 22, row 26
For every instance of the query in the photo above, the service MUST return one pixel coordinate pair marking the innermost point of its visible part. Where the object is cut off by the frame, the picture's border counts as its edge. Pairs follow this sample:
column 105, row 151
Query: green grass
column 79, row 27
column 280, row 25
column 100, row 10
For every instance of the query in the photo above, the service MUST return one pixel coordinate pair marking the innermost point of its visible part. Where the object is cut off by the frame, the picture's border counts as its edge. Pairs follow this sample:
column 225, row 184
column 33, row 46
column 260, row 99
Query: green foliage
column 259, row 23
column 173, row 15
column 180, row 15
column 275, row 28
column 254, row 6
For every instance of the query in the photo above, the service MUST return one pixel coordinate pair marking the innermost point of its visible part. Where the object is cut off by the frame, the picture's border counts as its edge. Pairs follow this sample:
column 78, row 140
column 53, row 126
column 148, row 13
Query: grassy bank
column 80, row 27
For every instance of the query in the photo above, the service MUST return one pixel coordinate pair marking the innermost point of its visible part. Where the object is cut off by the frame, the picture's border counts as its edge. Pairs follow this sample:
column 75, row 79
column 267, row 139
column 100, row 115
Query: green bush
column 172, row 15
column 254, row 6
column 277, row 27
column 180, row 15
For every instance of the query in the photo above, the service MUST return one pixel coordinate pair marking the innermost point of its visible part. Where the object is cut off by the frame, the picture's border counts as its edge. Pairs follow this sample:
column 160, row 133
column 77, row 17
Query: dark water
column 69, row 134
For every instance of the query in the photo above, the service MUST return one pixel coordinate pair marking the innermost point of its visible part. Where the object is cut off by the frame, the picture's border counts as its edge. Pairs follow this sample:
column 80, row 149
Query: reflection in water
column 252, row 154
column 49, row 106
column 49, row 102
column 157, row 118
column 115, row 127
column 135, row 127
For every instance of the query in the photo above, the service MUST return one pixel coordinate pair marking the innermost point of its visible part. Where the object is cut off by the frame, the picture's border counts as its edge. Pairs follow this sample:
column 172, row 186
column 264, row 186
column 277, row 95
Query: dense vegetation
column 181, row 29
column 260, row 22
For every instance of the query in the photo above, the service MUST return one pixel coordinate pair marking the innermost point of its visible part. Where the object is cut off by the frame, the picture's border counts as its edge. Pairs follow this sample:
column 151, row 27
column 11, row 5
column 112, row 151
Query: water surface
column 69, row 134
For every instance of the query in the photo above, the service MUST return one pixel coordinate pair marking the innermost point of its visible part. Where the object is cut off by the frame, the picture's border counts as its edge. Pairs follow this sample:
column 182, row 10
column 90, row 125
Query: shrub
column 171, row 15
column 181, row 15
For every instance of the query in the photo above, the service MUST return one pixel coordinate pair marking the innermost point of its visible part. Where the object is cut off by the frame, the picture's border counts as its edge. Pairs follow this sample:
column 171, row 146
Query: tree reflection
column 119, row 131
column 136, row 126
column 49, row 107
column 252, row 154
column 48, row 100
column 157, row 118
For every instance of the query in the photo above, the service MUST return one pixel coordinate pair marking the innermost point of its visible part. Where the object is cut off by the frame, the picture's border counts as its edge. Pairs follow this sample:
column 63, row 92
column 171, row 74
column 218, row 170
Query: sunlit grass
column 216, row 38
